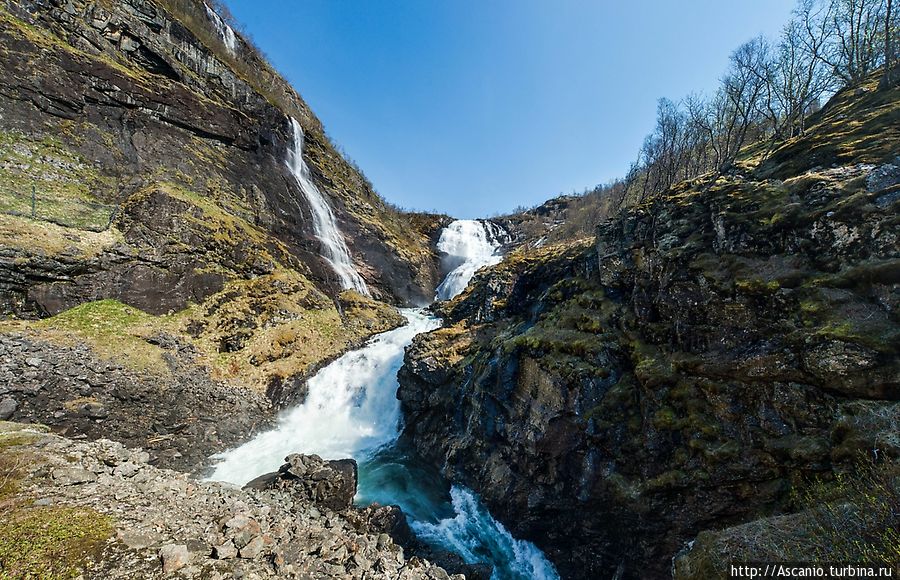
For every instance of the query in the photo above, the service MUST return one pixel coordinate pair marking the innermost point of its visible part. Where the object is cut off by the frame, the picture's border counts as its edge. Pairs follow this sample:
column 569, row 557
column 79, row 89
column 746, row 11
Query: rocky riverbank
column 100, row 509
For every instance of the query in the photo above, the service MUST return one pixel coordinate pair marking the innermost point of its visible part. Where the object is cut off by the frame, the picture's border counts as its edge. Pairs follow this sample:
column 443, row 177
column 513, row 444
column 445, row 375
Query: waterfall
column 352, row 410
column 226, row 33
column 351, row 407
column 467, row 246
column 334, row 249
column 472, row 533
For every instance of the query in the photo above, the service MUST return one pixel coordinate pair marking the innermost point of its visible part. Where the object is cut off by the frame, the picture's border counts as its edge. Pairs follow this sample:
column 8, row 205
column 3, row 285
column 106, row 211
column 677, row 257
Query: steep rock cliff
column 711, row 351
column 103, row 102
column 147, row 212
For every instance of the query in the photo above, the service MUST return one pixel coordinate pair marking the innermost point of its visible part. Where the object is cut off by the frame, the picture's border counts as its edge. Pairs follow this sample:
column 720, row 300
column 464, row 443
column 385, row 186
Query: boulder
column 328, row 483
column 174, row 557
column 8, row 406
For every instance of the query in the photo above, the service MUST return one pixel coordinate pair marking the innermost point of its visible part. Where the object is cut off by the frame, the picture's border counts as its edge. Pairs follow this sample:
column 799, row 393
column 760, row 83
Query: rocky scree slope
column 707, row 359
column 99, row 510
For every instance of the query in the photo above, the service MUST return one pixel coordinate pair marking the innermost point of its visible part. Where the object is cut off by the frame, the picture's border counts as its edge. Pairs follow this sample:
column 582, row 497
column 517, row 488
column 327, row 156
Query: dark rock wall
column 712, row 351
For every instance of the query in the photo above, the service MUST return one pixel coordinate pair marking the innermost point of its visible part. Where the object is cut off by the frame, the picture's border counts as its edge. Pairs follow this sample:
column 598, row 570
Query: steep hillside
column 141, row 106
column 702, row 363
column 148, row 214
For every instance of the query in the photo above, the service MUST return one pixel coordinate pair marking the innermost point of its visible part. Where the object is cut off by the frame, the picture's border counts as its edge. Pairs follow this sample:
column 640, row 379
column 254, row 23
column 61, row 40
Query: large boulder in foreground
column 328, row 483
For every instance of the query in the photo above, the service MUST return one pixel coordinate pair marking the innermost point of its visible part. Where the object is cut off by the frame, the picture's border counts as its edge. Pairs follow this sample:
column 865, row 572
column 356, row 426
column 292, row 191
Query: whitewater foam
column 351, row 408
column 467, row 246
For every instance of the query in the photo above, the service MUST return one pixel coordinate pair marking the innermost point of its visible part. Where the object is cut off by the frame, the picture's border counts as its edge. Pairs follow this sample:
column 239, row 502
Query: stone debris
column 168, row 523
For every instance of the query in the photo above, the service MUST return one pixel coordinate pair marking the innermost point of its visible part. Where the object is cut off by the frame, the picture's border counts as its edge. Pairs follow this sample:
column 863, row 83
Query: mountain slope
column 693, row 368
column 113, row 102
column 149, row 216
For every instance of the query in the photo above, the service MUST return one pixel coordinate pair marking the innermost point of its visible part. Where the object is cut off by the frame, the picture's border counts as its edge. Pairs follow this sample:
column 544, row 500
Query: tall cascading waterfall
column 334, row 249
column 351, row 410
column 467, row 246
column 225, row 32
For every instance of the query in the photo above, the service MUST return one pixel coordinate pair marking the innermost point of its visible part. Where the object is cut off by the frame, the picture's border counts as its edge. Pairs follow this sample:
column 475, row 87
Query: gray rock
column 136, row 540
column 94, row 411
column 73, row 475
column 226, row 551
column 243, row 537
column 253, row 549
column 174, row 557
column 884, row 177
column 126, row 469
column 331, row 484
column 8, row 406
column 238, row 522
column 139, row 457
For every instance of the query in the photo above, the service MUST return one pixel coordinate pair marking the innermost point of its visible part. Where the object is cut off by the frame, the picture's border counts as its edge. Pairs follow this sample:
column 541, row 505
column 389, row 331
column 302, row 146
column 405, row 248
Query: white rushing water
column 334, row 249
column 467, row 246
column 226, row 33
column 476, row 536
column 352, row 410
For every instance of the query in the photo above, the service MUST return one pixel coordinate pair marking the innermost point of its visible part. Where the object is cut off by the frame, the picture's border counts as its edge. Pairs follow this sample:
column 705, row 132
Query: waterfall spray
column 467, row 246
column 226, row 33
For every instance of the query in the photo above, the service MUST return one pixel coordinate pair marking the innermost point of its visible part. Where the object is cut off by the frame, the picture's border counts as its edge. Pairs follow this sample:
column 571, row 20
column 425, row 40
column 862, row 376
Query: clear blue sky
column 473, row 107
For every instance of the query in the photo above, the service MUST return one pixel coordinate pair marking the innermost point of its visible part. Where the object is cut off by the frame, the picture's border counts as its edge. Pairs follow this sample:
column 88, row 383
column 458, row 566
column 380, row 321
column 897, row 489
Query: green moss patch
column 114, row 330
column 36, row 237
column 50, row 542
column 849, row 129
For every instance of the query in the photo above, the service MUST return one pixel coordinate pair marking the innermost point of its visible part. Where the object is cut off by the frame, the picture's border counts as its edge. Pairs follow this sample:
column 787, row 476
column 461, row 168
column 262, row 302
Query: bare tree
column 737, row 106
column 799, row 75
column 856, row 51
column 768, row 90
column 891, row 74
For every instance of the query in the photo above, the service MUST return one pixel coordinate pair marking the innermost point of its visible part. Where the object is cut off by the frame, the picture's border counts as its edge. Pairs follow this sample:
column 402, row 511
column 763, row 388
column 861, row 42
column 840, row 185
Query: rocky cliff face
column 143, row 106
column 169, row 237
column 710, row 353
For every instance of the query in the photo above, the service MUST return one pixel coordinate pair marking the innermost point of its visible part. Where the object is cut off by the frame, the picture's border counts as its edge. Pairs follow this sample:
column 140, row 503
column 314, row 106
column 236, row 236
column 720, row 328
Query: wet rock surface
column 168, row 524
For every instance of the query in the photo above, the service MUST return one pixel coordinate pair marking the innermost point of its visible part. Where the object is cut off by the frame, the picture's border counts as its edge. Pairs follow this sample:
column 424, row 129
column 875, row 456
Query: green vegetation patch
column 46, row 238
column 114, row 330
column 50, row 542
column 850, row 129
